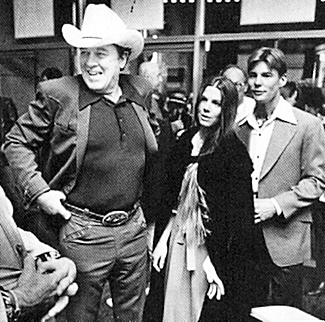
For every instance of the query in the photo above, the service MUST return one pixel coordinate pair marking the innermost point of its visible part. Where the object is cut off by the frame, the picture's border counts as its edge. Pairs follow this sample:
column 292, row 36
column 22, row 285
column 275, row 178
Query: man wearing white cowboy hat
column 99, row 140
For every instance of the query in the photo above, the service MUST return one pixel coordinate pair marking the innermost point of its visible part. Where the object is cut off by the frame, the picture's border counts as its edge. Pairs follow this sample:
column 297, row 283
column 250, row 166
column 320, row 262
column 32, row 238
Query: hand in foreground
column 49, row 279
column 61, row 303
column 64, row 268
column 51, row 203
column 216, row 287
column 264, row 210
column 159, row 256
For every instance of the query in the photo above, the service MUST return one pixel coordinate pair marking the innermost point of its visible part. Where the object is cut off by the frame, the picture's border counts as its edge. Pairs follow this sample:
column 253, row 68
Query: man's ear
column 124, row 59
column 283, row 80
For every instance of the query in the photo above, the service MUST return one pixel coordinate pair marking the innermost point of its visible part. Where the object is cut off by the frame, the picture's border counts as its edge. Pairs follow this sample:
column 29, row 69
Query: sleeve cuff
column 277, row 207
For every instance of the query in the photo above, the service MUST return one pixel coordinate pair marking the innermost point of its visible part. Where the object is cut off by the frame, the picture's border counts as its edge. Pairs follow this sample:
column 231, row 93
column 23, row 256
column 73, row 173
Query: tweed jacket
column 293, row 173
column 59, row 119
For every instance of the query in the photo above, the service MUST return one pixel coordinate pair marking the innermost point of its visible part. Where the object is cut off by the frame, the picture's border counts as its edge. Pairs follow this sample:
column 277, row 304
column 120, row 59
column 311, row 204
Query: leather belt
column 111, row 219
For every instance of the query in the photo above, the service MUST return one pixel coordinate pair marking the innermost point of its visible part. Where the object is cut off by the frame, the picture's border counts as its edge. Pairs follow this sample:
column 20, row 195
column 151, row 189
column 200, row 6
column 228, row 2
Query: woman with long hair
column 208, row 242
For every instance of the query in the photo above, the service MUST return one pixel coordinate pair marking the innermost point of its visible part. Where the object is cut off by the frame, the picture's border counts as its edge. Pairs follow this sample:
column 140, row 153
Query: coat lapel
column 283, row 133
column 82, row 134
column 151, row 142
column 244, row 132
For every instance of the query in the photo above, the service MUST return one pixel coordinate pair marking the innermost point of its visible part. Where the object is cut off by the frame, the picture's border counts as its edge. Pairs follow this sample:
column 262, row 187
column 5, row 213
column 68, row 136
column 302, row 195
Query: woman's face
column 209, row 107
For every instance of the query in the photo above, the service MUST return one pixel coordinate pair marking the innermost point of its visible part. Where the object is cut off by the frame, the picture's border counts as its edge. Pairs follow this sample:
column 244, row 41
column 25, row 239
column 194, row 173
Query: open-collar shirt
column 261, row 136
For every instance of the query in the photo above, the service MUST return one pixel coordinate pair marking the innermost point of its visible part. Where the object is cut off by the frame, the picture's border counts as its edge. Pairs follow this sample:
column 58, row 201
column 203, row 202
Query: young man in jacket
column 287, row 147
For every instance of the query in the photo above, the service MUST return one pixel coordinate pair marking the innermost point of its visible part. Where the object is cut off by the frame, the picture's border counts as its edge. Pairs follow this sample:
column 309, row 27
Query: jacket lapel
column 283, row 133
column 82, row 134
column 151, row 142
column 244, row 132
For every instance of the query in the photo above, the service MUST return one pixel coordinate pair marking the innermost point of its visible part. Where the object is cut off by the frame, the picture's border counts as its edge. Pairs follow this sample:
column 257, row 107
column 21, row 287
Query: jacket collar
column 128, row 84
column 283, row 112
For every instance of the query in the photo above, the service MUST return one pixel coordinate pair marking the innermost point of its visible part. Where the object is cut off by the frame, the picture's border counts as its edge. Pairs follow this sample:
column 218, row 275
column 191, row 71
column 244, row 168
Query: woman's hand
column 159, row 255
column 216, row 287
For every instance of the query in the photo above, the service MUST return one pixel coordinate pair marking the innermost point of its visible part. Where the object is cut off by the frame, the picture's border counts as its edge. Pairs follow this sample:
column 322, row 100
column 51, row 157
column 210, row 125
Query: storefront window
column 179, row 19
column 224, row 17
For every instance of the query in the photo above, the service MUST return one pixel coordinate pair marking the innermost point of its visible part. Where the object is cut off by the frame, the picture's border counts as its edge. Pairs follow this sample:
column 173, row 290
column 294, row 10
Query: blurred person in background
column 50, row 73
column 178, row 112
column 310, row 98
column 239, row 77
column 290, row 92
column 8, row 116
column 152, row 72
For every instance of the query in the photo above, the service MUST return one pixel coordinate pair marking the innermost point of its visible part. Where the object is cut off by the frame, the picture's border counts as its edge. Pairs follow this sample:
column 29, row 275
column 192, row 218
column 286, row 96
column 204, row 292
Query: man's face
column 265, row 83
column 238, row 78
column 100, row 67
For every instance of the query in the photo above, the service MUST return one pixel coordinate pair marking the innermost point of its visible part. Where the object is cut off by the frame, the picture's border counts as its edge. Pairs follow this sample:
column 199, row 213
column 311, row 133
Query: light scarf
column 192, row 209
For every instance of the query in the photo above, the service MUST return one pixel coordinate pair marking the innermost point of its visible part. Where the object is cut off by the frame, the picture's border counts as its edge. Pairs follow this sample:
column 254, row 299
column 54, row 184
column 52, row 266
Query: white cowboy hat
column 102, row 26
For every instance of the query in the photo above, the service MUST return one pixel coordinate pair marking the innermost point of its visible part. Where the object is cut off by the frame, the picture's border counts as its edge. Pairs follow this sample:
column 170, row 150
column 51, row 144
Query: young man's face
column 100, row 67
column 265, row 83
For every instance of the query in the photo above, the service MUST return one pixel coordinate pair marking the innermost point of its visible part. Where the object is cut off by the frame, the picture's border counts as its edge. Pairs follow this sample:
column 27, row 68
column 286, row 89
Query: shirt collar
column 283, row 111
column 129, row 92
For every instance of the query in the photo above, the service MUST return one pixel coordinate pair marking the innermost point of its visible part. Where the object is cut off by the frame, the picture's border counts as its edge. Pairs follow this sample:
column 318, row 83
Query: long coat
column 225, row 176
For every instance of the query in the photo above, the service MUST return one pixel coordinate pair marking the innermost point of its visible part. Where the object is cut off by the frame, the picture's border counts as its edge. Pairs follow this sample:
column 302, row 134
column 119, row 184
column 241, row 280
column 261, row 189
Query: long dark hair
column 229, row 103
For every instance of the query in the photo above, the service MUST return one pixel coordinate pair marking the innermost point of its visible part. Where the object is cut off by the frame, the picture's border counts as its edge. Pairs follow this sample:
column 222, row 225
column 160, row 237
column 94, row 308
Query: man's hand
column 216, row 287
column 64, row 268
column 51, row 203
column 264, row 210
column 37, row 285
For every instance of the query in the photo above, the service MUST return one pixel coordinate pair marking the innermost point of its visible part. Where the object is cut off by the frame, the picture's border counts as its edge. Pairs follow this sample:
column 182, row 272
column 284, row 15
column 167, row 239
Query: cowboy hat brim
column 127, row 38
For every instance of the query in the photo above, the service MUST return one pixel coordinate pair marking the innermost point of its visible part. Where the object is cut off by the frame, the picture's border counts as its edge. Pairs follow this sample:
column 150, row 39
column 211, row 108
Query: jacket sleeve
column 312, row 172
column 24, row 140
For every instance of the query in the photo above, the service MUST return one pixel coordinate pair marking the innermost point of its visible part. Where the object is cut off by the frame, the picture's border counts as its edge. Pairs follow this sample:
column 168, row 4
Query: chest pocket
column 64, row 129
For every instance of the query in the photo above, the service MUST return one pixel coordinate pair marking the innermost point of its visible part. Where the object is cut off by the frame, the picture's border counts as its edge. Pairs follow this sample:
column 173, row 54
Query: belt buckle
column 115, row 218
